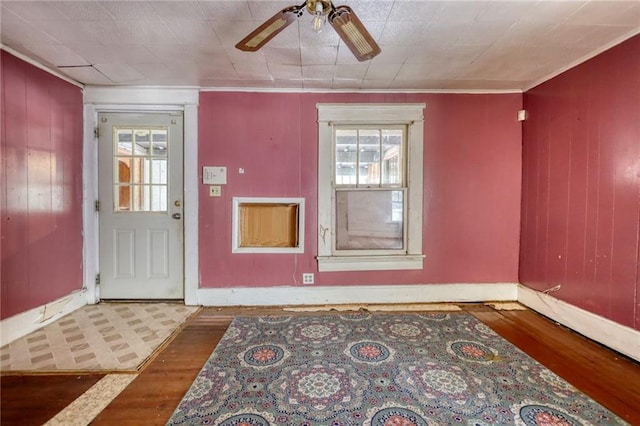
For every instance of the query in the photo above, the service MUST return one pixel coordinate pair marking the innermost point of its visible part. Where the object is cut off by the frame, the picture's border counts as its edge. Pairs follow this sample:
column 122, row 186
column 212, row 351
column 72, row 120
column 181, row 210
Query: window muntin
column 140, row 169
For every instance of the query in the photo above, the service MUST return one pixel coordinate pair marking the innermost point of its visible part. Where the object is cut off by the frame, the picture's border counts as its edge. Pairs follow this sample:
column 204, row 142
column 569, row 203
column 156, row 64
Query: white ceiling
column 478, row 45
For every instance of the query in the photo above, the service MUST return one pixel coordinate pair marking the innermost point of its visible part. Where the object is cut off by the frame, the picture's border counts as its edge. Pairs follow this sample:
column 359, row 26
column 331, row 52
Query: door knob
column 176, row 216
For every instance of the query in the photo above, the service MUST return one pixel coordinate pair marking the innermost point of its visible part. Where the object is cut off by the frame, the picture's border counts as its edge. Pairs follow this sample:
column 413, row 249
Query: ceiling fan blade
column 353, row 33
column 268, row 30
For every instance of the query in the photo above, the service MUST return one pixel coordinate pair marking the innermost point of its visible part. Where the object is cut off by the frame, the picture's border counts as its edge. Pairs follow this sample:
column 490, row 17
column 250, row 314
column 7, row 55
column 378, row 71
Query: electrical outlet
column 215, row 191
column 307, row 278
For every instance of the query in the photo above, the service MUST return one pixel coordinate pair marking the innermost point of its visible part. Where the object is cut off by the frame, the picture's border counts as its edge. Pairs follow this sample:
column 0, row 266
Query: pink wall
column 41, row 189
column 581, row 185
column 472, row 166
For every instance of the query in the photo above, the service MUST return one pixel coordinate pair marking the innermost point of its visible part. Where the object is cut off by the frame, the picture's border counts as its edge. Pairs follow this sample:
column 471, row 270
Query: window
column 370, row 186
column 140, row 169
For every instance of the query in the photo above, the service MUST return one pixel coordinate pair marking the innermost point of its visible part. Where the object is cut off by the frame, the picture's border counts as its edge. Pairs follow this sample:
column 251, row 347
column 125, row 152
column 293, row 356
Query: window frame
column 332, row 115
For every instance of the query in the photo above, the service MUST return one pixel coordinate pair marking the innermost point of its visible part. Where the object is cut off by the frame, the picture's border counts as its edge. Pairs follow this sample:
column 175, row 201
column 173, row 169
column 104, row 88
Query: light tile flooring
column 104, row 337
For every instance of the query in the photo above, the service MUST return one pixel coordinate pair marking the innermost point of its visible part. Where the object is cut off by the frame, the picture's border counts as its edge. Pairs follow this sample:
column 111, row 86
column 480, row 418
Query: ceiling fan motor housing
column 313, row 4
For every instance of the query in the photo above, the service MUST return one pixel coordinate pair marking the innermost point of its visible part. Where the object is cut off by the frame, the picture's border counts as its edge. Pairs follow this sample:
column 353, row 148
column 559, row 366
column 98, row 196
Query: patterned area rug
column 103, row 337
column 377, row 370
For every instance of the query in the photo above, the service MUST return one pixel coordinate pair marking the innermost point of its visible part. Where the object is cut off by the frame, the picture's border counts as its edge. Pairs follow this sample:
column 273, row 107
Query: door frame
column 116, row 99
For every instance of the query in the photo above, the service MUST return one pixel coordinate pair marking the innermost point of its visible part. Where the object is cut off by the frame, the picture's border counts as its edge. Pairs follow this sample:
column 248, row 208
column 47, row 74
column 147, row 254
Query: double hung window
column 370, row 187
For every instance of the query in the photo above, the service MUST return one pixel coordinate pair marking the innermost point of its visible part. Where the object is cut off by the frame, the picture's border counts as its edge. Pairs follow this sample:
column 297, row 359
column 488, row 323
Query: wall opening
column 268, row 225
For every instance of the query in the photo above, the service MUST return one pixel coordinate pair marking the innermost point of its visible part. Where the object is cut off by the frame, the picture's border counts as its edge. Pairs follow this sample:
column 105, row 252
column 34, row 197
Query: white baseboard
column 609, row 333
column 318, row 295
column 618, row 337
column 21, row 324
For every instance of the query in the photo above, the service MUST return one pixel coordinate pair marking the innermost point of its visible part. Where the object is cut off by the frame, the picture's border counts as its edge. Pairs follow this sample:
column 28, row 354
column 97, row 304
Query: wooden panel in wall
column 42, row 119
column 268, row 225
column 581, row 185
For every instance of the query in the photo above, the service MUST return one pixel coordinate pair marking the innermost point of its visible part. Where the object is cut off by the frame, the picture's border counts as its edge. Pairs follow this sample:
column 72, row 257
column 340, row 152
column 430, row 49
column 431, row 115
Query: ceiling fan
column 341, row 18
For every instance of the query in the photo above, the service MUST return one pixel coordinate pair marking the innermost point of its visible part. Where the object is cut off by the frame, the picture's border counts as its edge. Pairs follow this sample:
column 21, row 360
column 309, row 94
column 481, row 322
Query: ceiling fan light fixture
column 319, row 18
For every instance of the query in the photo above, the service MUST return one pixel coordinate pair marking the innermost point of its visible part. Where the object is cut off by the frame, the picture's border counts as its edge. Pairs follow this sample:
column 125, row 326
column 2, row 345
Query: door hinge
column 97, row 205
column 96, row 132
column 97, row 278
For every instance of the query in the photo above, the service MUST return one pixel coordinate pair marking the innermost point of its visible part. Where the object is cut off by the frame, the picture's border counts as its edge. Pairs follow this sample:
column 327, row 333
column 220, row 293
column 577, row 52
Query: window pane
column 140, row 171
column 369, row 220
column 140, row 198
column 122, row 173
column 369, row 157
column 159, row 142
column 392, row 161
column 125, row 141
column 122, row 195
column 159, row 171
column 142, row 141
column 346, row 156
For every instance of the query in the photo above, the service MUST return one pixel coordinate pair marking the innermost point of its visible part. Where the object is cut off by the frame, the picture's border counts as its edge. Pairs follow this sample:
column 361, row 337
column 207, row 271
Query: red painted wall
column 41, row 189
column 581, row 185
column 472, row 167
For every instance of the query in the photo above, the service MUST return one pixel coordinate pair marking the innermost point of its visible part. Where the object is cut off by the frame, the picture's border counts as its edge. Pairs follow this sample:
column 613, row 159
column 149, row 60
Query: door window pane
column 142, row 141
column 159, row 138
column 125, row 141
column 159, row 171
column 369, row 220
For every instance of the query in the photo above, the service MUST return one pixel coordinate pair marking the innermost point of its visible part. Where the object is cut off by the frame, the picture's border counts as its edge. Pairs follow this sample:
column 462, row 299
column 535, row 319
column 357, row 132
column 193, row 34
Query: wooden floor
column 606, row 376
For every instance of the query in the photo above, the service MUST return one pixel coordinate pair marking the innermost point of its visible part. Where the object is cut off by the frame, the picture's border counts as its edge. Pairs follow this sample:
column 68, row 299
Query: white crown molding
column 611, row 334
column 364, row 91
column 21, row 324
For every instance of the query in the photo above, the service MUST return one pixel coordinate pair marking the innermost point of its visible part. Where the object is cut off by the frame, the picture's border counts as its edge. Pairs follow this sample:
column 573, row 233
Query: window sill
column 369, row 263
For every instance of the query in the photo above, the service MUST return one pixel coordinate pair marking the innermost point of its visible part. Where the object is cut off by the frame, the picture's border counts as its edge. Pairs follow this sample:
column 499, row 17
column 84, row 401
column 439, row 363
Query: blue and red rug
column 378, row 370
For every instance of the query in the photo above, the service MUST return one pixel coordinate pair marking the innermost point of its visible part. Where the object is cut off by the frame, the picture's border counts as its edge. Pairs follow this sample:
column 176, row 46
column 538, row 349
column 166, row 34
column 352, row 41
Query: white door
column 140, row 205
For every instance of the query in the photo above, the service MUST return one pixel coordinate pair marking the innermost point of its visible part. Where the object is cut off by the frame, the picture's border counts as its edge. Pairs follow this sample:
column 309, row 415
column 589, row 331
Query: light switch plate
column 214, row 175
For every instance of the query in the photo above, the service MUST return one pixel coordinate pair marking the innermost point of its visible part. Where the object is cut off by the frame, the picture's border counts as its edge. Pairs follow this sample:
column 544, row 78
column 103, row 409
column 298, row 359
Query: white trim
column 389, row 113
column 235, row 225
column 417, row 91
column 616, row 336
column 40, row 66
column 141, row 96
column 26, row 322
column 89, row 197
column 369, row 263
column 191, row 185
column 310, row 295
column 584, row 59
column 141, row 99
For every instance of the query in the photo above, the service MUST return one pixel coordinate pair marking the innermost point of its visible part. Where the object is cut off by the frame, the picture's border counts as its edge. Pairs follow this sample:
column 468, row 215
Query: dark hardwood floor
column 606, row 376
